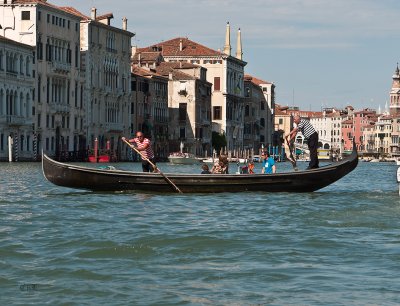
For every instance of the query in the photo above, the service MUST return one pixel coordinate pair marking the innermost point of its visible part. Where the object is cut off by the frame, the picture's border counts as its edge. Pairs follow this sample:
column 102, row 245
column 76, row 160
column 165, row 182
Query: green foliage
column 218, row 141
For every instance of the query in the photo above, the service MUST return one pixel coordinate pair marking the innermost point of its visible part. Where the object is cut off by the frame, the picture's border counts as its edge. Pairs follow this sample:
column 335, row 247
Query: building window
column 217, row 113
column 182, row 133
column 217, row 83
column 182, row 111
column 247, row 110
column 247, row 92
column 26, row 15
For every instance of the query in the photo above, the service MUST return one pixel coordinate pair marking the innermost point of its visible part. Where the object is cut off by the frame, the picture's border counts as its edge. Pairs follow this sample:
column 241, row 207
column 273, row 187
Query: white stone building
column 105, row 67
column 224, row 71
column 189, row 102
column 16, row 101
column 58, row 104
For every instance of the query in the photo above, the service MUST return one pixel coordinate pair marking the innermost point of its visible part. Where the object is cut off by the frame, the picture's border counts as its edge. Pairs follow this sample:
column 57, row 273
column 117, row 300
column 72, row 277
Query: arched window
column 21, row 65
column 247, row 110
column 28, row 66
column 2, row 102
column 28, row 108
column 21, row 105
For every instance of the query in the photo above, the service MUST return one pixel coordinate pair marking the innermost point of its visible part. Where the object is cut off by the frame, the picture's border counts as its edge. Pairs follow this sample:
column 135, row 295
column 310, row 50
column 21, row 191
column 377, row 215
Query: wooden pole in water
column 96, row 147
column 10, row 143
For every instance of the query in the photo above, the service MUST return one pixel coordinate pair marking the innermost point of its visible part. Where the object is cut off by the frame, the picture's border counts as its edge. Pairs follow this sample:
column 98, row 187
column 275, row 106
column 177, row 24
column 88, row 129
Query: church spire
column 239, row 52
column 227, row 46
column 395, row 93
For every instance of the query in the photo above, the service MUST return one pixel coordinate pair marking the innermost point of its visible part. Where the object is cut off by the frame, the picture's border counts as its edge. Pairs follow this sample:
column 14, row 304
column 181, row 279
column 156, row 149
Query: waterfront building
column 260, row 95
column 16, row 101
column 328, row 125
column 105, row 70
column 368, row 136
column 58, row 99
column 189, row 102
column 395, row 137
column 347, row 135
column 224, row 71
column 383, row 134
column 149, row 107
column 360, row 119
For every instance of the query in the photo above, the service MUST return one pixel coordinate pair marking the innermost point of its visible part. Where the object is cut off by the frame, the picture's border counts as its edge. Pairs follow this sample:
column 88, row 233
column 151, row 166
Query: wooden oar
column 291, row 157
column 153, row 165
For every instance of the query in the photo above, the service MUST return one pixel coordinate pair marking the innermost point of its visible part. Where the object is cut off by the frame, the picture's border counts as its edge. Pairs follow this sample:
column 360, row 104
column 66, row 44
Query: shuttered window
column 217, row 83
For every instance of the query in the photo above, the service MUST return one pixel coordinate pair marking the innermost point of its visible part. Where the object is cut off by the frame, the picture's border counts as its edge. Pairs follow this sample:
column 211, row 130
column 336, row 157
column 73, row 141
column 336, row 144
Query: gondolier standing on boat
column 312, row 139
column 144, row 146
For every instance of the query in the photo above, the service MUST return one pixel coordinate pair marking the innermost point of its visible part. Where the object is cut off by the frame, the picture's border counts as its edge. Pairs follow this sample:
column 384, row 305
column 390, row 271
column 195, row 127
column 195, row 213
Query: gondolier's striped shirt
column 148, row 153
column 306, row 128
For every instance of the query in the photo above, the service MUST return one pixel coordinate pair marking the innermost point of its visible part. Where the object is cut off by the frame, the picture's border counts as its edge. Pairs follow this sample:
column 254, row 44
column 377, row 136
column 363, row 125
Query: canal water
column 336, row 246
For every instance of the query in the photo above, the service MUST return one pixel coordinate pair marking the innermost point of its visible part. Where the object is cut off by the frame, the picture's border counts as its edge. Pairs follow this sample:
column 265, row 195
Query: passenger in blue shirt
column 268, row 164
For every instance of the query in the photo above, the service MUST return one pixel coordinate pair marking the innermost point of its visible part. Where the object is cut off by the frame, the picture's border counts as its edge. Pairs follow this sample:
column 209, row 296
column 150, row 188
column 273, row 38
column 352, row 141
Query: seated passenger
column 205, row 169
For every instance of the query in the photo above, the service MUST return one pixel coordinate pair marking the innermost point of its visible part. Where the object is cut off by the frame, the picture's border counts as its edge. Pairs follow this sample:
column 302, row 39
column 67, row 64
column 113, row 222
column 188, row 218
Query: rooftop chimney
column 239, row 52
column 124, row 24
column 93, row 13
column 180, row 45
column 227, row 46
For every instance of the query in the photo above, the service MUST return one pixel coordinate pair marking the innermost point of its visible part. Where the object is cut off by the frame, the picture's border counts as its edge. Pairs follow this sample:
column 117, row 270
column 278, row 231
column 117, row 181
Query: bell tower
column 395, row 93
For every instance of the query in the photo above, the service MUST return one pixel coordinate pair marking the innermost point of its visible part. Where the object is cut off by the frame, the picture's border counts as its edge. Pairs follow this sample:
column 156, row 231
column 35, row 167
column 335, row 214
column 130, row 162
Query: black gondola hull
column 79, row 177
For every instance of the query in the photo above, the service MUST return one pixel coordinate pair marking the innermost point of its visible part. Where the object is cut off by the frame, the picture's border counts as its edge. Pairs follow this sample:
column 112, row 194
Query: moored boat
column 183, row 158
column 74, row 176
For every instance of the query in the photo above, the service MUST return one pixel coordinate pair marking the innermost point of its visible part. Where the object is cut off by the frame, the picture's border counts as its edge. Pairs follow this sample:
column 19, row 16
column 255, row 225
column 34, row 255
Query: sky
column 318, row 53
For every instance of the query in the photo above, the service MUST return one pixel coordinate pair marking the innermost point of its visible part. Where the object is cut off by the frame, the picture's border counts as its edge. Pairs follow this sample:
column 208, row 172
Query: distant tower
column 395, row 93
column 227, row 46
column 239, row 52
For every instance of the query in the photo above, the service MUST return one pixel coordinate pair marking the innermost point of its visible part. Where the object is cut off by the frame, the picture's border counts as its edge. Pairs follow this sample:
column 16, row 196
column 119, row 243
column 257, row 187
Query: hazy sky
column 317, row 52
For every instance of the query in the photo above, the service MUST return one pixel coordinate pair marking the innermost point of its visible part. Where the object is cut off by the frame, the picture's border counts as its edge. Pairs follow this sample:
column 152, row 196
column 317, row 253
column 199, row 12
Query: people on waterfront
column 143, row 145
column 268, row 163
column 310, row 135
column 221, row 166
column 205, row 169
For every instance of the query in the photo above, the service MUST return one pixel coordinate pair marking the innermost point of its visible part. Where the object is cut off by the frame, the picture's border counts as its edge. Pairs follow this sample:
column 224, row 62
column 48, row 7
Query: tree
column 218, row 141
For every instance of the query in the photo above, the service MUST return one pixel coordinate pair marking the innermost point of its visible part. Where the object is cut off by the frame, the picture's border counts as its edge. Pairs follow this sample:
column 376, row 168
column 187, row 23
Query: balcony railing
column 59, row 108
column 61, row 67
column 114, row 127
column 14, row 120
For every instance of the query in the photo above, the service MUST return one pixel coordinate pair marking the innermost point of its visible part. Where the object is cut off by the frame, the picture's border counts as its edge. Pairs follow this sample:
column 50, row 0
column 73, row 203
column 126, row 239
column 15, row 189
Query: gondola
column 74, row 176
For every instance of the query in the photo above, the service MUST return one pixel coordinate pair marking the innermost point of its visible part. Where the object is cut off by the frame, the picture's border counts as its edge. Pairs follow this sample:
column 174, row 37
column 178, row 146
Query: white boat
column 183, row 158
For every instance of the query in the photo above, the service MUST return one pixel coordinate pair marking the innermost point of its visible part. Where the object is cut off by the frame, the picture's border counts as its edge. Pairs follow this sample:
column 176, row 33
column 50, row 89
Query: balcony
column 59, row 108
column 13, row 120
column 114, row 127
column 61, row 67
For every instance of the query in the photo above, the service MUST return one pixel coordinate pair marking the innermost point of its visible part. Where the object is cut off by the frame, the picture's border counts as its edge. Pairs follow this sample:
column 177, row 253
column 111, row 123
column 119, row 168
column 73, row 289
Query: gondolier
column 312, row 139
column 144, row 146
